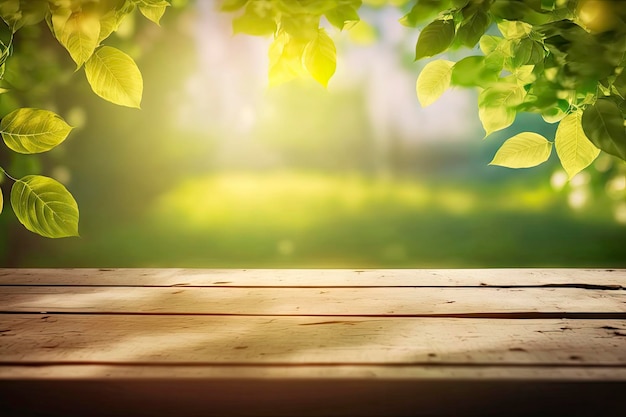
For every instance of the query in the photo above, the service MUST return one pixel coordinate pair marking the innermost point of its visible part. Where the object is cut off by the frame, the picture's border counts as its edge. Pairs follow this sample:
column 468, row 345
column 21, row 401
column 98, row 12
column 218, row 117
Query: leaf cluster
column 300, row 46
column 43, row 205
column 562, row 59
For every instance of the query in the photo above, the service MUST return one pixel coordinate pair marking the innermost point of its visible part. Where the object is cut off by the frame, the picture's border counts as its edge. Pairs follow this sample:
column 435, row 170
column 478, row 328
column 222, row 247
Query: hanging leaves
column 33, row 131
column 603, row 124
column 41, row 204
column 473, row 28
column 78, row 32
column 497, row 106
column 574, row 149
column 434, row 38
column 343, row 16
column 524, row 150
column 153, row 9
column 114, row 76
column 433, row 81
column 18, row 13
column 254, row 22
column 44, row 206
column 320, row 57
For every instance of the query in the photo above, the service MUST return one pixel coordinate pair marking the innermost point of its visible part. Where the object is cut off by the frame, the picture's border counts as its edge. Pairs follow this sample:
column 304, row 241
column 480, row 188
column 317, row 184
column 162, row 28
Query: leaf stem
column 7, row 175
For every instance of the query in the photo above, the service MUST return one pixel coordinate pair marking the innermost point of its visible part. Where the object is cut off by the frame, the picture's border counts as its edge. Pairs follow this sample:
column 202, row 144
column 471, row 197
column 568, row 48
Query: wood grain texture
column 309, row 340
column 310, row 301
column 313, row 277
column 153, row 342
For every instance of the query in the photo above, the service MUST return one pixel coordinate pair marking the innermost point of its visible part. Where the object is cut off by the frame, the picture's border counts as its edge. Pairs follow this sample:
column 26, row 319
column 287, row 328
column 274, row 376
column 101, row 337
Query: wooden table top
column 190, row 342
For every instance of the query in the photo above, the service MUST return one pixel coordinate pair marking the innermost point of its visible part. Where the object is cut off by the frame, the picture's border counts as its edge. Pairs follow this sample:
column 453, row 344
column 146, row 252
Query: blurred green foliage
column 300, row 219
column 156, row 192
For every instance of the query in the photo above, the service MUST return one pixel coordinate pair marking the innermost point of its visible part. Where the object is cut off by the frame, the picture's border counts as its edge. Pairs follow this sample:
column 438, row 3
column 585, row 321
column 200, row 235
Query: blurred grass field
column 300, row 219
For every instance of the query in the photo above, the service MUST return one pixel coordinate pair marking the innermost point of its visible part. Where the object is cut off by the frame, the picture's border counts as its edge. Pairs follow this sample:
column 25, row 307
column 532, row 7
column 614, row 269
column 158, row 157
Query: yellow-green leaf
column 153, row 10
column 574, row 149
column 495, row 118
column 78, row 32
column 497, row 105
column 18, row 13
column 114, row 76
column 255, row 21
column 433, row 81
column 110, row 21
column 44, row 206
column 524, row 75
column 320, row 57
column 33, row 130
column 489, row 43
column 285, row 56
column 513, row 29
column 1, row 201
column 524, row 150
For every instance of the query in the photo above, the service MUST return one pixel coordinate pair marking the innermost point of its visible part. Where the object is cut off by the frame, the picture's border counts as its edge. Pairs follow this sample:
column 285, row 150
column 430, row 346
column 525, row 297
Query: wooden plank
column 314, row 277
column 197, row 340
column 310, row 301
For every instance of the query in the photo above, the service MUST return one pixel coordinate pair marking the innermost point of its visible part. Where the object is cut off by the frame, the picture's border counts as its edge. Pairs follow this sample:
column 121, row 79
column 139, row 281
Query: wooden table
column 173, row 342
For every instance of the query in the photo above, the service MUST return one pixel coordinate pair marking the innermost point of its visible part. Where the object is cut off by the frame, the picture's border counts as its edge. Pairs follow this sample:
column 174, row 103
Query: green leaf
column 232, row 5
column 285, row 56
column 489, row 43
column 305, row 27
column 620, row 84
column 33, row 131
column 342, row 16
column 527, row 52
column 78, row 32
column 18, row 13
column 422, row 10
column 434, row 38
column 114, row 76
column 514, row 29
column 524, row 150
column 1, row 201
column 501, row 95
column 111, row 20
column 252, row 22
column 512, row 10
column 495, row 118
column 153, row 10
column 471, row 71
column 574, row 149
column 44, row 206
column 497, row 105
column 603, row 124
column 320, row 57
column 433, row 81
column 472, row 29
column 524, row 75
